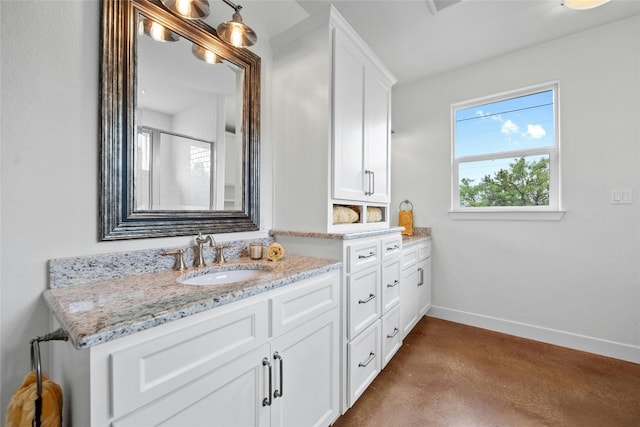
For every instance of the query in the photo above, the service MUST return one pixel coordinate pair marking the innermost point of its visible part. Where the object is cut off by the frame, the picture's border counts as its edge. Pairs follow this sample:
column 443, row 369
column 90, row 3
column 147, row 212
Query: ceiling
column 415, row 40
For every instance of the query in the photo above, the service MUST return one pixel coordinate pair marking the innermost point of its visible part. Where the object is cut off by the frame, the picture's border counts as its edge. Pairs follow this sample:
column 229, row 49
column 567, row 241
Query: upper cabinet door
column 361, row 125
column 348, row 117
column 376, row 136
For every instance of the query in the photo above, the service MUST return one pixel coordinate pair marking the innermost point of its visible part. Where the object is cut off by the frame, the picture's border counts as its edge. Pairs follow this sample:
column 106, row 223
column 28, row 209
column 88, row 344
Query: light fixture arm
column 232, row 5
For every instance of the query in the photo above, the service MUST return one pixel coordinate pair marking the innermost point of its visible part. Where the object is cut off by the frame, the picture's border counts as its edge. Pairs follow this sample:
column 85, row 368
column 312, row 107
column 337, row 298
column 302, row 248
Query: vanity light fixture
column 156, row 31
column 583, row 4
column 236, row 32
column 205, row 55
column 189, row 9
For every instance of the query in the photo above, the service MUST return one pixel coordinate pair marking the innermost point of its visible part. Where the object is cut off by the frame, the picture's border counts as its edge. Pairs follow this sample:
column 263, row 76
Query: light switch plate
column 621, row 197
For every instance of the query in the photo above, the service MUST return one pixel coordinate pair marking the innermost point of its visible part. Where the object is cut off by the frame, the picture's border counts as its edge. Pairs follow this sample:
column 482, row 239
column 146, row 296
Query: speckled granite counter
column 337, row 236
column 102, row 311
column 419, row 234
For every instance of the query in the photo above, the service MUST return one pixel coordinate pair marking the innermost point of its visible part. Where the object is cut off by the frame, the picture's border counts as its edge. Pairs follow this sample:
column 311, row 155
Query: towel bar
column 36, row 365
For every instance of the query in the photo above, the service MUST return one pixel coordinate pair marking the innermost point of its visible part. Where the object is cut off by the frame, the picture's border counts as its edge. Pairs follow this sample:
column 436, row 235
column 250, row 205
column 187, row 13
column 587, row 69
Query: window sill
column 508, row 215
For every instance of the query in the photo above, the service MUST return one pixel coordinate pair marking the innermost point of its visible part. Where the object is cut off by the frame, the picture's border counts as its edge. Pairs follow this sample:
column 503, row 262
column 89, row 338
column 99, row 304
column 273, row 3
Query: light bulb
column 209, row 57
column 156, row 31
column 236, row 36
column 183, row 7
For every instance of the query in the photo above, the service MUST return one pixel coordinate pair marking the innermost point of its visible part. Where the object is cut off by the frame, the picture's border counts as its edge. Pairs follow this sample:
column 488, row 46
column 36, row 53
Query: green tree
column 523, row 184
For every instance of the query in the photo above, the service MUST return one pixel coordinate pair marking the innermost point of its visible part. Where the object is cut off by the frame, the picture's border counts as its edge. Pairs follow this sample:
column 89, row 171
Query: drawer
column 424, row 250
column 390, row 285
column 143, row 372
column 409, row 257
column 364, row 300
column 391, row 247
column 297, row 304
column 362, row 255
column 391, row 336
column 364, row 361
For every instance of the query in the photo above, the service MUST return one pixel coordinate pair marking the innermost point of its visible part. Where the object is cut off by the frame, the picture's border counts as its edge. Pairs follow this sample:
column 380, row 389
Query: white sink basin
column 223, row 277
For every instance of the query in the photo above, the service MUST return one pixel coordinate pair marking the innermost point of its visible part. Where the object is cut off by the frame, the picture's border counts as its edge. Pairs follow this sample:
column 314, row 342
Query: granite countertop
column 337, row 236
column 101, row 311
column 419, row 234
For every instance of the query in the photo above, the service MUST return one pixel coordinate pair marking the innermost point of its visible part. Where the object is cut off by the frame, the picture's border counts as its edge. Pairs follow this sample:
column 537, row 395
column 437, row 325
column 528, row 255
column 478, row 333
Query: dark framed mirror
column 180, row 127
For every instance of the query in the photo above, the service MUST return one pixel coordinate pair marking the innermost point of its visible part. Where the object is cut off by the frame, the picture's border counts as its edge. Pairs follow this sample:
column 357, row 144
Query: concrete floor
column 448, row 374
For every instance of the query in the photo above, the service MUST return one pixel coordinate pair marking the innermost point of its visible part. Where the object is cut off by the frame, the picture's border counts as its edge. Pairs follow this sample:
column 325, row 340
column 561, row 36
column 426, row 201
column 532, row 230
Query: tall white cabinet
column 332, row 99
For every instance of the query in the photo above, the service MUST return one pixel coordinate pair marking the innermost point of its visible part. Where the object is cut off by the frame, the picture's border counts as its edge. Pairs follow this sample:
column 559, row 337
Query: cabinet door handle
column 394, row 284
column 367, row 256
column 373, row 179
column 421, row 270
column 364, row 301
column 372, row 356
column 278, row 393
column 267, row 400
column 395, row 332
column 392, row 248
column 371, row 182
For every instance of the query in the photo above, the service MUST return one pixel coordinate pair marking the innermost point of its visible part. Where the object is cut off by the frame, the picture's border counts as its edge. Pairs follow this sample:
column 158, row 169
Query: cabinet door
column 363, row 299
column 364, row 361
column 408, row 295
column 390, row 285
column 391, row 340
column 305, row 374
column 424, row 287
column 348, row 116
column 376, row 136
column 229, row 396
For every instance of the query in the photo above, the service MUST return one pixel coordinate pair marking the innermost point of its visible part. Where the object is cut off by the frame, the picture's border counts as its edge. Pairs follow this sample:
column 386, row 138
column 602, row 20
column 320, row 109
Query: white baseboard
column 627, row 352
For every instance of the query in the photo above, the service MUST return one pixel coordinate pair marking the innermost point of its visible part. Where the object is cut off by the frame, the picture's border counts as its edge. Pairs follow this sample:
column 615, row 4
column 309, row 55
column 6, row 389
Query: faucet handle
column 179, row 263
column 220, row 253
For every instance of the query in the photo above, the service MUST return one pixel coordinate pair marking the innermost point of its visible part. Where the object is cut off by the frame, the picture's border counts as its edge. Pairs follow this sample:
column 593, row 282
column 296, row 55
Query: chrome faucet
column 199, row 255
column 198, row 259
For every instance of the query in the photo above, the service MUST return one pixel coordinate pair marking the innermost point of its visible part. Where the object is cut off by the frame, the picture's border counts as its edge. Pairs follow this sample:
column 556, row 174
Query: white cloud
column 509, row 127
column 536, row 131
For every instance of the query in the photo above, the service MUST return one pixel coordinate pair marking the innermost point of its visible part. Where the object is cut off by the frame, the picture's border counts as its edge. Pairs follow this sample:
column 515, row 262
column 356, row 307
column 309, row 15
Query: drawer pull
column 372, row 356
column 267, row 400
column 278, row 393
column 392, row 248
column 364, row 301
column 395, row 332
column 421, row 270
column 367, row 256
column 394, row 284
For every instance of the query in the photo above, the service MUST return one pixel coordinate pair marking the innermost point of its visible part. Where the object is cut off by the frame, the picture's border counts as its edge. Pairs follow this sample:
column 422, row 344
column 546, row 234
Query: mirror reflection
column 186, row 155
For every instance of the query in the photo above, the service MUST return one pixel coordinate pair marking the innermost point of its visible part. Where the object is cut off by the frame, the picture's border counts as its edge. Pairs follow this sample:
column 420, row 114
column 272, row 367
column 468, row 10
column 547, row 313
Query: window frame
column 553, row 210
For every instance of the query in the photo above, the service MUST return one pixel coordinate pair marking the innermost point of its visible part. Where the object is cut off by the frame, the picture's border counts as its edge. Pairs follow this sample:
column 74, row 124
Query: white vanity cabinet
column 331, row 122
column 269, row 360
column 371, row 326
column 415, row 289
column 372, row 293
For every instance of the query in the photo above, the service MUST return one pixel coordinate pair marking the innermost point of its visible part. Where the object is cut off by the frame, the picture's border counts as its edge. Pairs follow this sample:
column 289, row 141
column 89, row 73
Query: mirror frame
column 118, row 83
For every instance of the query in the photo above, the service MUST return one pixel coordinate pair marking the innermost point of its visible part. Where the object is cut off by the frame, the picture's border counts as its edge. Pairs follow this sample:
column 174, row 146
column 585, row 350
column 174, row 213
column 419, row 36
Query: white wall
column 575, row 282
column 49, row 163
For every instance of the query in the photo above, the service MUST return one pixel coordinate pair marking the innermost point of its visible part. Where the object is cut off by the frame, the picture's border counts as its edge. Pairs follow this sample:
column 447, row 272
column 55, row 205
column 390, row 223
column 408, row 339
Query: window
column 505, row 152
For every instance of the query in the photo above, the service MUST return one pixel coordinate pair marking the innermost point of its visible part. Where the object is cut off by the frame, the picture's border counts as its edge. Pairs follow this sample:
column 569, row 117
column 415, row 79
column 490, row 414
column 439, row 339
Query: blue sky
column 519, row 123
column 514, row 124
